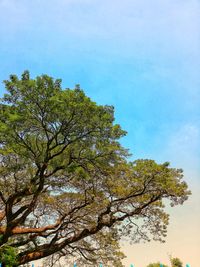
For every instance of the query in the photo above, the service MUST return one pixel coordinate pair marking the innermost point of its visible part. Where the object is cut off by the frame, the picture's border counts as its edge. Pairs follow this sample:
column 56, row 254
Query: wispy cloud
column 169, row 24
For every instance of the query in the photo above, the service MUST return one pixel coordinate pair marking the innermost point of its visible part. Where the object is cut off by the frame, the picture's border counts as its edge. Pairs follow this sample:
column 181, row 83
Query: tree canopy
column 176, row 262
column 157, row 264
column 67, row 188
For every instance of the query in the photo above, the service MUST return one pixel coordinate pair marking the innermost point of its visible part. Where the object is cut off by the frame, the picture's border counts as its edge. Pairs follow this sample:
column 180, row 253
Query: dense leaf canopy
column 66, row 186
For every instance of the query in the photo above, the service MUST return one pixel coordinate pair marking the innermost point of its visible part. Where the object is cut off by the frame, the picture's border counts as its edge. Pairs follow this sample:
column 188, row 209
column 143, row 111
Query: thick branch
column 47, row 250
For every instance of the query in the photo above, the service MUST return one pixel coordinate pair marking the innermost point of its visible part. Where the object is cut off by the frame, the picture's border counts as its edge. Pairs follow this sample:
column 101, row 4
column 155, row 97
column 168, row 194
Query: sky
column 143, row 58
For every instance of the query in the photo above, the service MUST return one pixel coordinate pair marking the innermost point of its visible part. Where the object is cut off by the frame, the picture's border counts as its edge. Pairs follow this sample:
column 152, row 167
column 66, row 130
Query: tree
column 157, row 264
column 176, row 262
column 67, row 188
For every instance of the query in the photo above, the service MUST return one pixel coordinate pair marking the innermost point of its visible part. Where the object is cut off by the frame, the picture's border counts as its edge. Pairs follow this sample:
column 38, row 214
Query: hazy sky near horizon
column 143, row 57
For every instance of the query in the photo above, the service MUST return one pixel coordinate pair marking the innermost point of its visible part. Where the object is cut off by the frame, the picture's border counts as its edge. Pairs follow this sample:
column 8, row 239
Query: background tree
column 176, row 262
column 157, row 264
column 66, row 187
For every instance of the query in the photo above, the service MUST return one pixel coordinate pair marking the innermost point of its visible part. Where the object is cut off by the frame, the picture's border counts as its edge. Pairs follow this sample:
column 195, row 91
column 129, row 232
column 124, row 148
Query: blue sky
column 140, row 56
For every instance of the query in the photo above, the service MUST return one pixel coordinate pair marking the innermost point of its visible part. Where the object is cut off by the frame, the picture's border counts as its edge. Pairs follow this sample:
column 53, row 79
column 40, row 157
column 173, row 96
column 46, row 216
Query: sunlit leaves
column 66, row 182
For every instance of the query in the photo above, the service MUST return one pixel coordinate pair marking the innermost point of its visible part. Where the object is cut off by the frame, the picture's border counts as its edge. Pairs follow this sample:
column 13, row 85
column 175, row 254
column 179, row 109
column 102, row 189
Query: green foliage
column 66, row 184
column 176, row 262
column 8, row 256
column 157, row 264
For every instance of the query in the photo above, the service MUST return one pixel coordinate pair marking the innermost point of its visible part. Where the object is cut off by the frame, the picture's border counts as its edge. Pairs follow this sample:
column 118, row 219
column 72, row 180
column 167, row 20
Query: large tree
column 67, row 188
